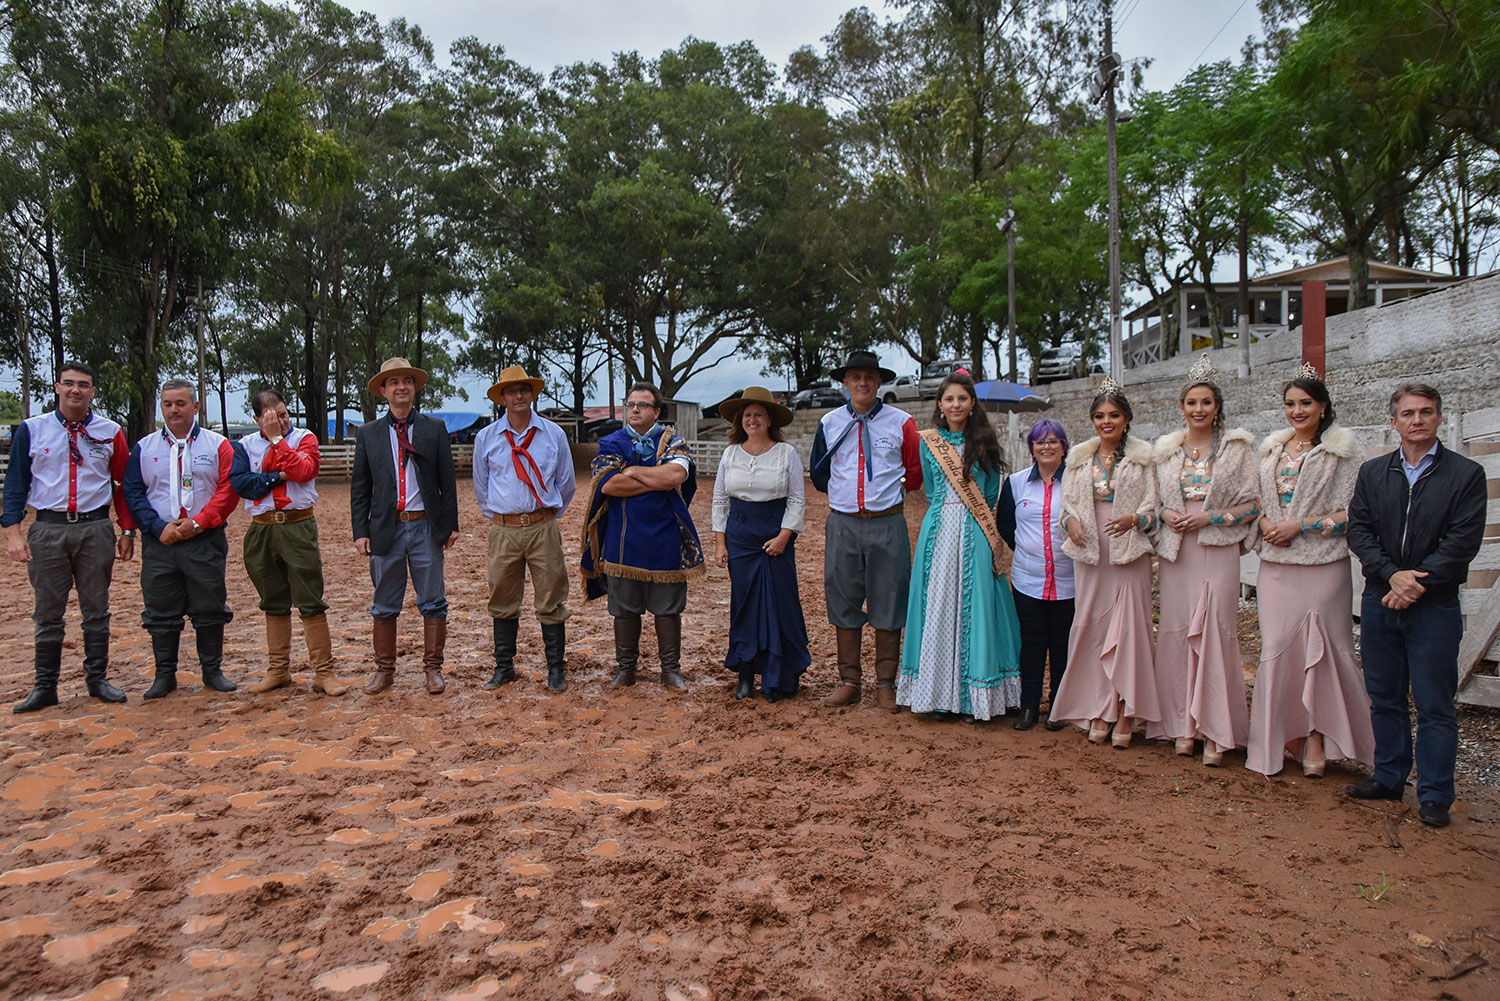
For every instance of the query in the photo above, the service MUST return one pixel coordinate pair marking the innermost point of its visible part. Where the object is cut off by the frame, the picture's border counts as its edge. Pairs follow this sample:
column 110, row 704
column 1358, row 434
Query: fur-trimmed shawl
column 1236, row 481
column 1325, row 485
column 1135, row 492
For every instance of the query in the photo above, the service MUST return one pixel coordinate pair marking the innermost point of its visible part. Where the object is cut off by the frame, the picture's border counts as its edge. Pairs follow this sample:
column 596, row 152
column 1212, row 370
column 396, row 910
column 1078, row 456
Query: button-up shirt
column 1414, row 473
column 1029, row 518
column 408, row 490
column 498, row 484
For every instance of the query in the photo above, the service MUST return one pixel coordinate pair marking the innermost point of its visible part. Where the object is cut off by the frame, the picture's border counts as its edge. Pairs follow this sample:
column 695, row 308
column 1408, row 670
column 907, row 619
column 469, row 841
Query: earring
column 1184, row 420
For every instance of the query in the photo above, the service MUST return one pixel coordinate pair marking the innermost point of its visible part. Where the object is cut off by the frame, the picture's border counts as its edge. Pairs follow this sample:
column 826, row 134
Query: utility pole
column 1008, row 227
column 202, row 377
column 1110, row 64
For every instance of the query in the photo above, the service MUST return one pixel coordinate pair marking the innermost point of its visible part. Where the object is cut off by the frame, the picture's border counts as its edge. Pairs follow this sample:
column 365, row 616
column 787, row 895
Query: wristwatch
column 197, row 528
column 278, row 439
column 129, row 533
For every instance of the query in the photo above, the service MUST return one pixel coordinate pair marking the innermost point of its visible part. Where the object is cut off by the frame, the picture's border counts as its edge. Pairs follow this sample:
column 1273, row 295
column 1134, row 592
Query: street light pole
column 1116, row 348
column 1007, row 226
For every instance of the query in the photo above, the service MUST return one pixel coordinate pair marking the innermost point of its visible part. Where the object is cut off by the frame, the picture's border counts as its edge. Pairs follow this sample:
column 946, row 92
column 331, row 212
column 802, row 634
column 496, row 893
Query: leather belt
column 282, row 517
column 70, row 517
column 873, row 514
column 536, row 517
column 410, row 515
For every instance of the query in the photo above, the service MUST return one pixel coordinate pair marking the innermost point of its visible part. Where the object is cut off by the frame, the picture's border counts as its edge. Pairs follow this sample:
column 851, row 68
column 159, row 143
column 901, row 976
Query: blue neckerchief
column 645, row 448
column 861, row 421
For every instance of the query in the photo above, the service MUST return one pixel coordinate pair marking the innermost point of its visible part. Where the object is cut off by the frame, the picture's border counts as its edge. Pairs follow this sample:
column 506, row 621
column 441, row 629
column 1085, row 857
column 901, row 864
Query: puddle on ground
column 483, row 988
column 594, row 983
column 72, row 948
column 110, row 990
column 359, row 809
column 45, row 871
column 165, row 818
column 427, row 885
column 596, row 903
column 526, row 865
column 212, row 959
column 453, row 912
column 226, row 878
column 469, row 773
column 350, row 836
column 529, row 892
column 113, row 738
column 402, row 805
column 514, row 948
column 693, row 992
column 346, row 978
column 113, row 895
column 252, row 800
column 31, row 924
column 608, row 848
column 195, row 925
column 563, row 799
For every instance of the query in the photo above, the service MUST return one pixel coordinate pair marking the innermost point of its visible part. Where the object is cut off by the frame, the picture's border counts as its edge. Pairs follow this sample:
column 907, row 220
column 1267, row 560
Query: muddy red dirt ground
column 652, row 845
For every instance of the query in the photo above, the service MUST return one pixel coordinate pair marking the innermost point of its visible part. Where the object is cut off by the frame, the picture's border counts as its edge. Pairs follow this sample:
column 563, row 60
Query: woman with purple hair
column 1041, row 578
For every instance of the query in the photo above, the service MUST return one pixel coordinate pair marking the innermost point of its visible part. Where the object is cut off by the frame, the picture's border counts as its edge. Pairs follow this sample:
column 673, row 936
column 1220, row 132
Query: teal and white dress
column 962, row 649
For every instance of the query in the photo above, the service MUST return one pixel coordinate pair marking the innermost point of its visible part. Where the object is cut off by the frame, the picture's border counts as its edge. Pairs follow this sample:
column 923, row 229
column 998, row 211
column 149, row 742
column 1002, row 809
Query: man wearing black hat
column 865, row 458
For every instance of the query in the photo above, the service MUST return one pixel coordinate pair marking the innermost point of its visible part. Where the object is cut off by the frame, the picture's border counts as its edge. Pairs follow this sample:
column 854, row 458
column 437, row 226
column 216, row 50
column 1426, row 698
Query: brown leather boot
column 385, row 656
column 434, row 638
column 849, row 690
column 320, row 652
column 627, row 650
column 669, row 650
column 278, row 654
column 887, row 663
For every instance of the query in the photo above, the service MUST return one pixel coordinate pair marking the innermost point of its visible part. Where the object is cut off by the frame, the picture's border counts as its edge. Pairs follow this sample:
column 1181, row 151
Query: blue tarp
column 458, row 420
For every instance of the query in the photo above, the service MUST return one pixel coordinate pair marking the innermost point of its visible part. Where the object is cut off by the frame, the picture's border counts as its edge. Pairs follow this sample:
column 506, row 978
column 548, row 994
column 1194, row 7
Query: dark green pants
column 285, row 566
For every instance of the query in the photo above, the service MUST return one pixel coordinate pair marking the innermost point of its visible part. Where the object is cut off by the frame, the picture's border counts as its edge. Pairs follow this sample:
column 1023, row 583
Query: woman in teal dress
column 962, row 648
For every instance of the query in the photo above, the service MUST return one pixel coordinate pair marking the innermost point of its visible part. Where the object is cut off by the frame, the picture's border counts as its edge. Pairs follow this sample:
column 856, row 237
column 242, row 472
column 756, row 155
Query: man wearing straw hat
column 523, row 480
column 403, row 504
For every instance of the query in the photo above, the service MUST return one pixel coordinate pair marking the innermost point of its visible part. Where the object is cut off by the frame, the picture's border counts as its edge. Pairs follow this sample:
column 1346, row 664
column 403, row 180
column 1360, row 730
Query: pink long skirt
column 1200, row 677
column 1309, row 679
column 1110, row 647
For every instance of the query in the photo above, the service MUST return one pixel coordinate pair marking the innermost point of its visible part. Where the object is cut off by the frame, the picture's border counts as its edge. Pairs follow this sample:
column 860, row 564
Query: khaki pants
column 284, row 564
column 513, row 549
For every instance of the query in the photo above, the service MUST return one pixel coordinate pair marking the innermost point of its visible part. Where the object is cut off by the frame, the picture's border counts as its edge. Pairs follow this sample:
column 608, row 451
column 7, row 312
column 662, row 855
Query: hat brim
column 886, row 375
column 537, row 385
column 780, row 416
column 419, row 376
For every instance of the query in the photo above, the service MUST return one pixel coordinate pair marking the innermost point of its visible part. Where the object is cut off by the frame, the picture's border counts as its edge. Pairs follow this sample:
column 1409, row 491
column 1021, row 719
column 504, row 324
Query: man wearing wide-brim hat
column 865, row 458
column 403, row 504
column 523, row 480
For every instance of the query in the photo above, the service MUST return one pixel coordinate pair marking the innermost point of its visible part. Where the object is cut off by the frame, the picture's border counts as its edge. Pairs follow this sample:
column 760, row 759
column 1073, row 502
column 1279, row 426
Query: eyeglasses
column 71, row 384
column 641, row 406
column 1047, row 443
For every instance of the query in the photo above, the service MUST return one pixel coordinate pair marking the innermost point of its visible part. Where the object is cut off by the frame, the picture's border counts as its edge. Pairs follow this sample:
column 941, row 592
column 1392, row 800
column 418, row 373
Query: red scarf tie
column 517, row 453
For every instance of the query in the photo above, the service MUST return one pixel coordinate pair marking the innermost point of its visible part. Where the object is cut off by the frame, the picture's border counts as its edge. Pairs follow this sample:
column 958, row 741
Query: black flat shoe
column 1370, row 789
column 1026, row 720
column 1052, row 725
column 105, row 692
column 1433, row 815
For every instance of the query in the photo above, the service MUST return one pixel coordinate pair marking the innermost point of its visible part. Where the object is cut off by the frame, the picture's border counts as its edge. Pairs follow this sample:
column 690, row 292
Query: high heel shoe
column 1121, row 740
column 1313, row 769
column 1098, row 732
column 1184, row 747
column 1313, row 758
column 1212, row 756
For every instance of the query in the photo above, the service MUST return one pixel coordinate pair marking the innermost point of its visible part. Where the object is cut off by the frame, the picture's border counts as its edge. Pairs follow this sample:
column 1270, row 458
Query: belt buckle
column 525, row 518
column 279, row 517
column 72, row 517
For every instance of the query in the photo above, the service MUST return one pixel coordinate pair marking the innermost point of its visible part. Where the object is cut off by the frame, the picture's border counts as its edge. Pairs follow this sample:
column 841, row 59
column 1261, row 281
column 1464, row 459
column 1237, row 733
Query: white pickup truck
column 902, row 389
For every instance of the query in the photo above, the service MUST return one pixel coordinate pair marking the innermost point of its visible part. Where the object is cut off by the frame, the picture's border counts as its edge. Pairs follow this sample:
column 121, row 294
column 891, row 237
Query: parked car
column 1062, row 362
column 903, row 389
column 934, row 372
column 819, row 395
column 602, row 427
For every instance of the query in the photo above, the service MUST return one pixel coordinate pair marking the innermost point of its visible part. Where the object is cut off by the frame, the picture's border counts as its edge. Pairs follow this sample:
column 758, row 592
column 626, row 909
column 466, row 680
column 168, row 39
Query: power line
column 1194, row 64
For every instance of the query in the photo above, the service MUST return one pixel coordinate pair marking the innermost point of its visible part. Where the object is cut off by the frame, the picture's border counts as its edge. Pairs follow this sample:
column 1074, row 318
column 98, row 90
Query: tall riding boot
column 746, row 688
column 669, row 649
column 96, row 666
column 887, row 663
column 555, row 643
column 48, row 668
column 385, row 656
column 627, row 650
column 164, row 654
column 320, row 652
column 849, row 689
column 505, row 652
column 278, row 653
column 211, row 657
column 434, row 638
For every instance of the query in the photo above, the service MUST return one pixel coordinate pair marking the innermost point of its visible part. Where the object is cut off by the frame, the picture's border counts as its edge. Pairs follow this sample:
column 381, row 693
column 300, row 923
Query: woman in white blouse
column 758, row 511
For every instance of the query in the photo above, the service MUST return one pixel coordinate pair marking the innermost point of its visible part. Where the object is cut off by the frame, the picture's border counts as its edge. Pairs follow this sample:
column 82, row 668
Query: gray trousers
column 866, row 570
column 630, row 599
column 184, row 579
column 66, row 556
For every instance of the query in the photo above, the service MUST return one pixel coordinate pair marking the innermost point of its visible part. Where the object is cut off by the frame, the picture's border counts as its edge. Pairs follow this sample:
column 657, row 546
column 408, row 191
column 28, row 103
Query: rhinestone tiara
column 1306, row 371
column 1203, row 371
column 1108, row 386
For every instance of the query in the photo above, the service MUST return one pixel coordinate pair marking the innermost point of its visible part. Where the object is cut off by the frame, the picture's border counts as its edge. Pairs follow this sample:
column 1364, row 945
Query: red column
column 1314, row 317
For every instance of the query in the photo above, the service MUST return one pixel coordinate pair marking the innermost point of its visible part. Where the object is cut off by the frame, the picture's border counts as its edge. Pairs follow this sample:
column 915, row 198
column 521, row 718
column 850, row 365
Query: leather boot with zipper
column 278, row 653
column 505, row 631
column 48, row 669
column 669, row 649
column 555, row 643
column 627, row 650
column 849, row 690
column 96, row 666
column 384, row 643
column 320, row 652
column 210, row 640
column 164, row 655
column 434, row 638
column 887, row 663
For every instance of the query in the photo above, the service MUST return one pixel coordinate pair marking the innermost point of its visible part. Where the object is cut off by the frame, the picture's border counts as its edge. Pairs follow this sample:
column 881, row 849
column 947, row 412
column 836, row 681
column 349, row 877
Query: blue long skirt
column 766, row 628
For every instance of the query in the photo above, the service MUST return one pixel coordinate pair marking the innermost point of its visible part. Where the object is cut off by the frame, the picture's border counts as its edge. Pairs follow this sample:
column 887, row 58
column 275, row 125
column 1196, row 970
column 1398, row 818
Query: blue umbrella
column 1006, row 396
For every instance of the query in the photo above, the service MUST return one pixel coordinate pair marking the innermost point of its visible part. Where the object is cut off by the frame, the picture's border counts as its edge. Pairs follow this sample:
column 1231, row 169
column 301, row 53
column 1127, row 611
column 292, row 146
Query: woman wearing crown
column 1208, row 483
column 1309, row 698
column 1108, row 507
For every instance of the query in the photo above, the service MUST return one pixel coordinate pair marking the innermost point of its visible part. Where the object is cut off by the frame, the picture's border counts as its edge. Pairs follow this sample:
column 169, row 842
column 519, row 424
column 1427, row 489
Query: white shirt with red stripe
column 408, row 491
column 1039, row 569
column 200, row 479
column 895, row 465
column 59, row 482
column 298, row 456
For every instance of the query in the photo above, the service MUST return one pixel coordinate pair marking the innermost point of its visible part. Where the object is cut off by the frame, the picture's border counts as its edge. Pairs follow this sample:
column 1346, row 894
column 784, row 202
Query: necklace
column 1301, row 446
column 766, row 448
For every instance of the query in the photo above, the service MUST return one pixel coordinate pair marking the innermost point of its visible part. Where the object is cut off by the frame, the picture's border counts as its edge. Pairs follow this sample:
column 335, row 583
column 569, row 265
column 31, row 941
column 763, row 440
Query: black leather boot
column 746, row 688
column 1026, row 720
column 48, row 668
column 555, row 643
column 505, row 652
column 164, row 651
column 211, row 656
column 627, row 650
column 96, row 666
column 669, row 649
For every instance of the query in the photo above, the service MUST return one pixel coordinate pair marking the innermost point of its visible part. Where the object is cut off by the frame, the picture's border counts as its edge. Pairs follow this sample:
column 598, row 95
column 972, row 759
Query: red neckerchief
column 517, row 453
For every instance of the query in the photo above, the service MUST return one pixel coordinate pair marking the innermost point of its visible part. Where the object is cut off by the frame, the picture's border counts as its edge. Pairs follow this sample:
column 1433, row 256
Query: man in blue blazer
column 403, row 504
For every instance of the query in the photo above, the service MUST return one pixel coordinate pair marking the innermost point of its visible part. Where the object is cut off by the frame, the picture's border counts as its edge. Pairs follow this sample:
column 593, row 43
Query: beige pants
column 512, row 550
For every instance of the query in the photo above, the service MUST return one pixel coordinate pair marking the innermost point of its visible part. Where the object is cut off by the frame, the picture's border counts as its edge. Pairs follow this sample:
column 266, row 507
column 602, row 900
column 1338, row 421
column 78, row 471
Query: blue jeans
column 1415, row 648
column 414, row 550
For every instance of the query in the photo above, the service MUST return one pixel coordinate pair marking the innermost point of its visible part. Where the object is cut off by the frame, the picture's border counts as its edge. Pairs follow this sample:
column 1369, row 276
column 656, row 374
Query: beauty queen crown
column 1202, row 372
column 1109, row 387
column 1306, row 371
